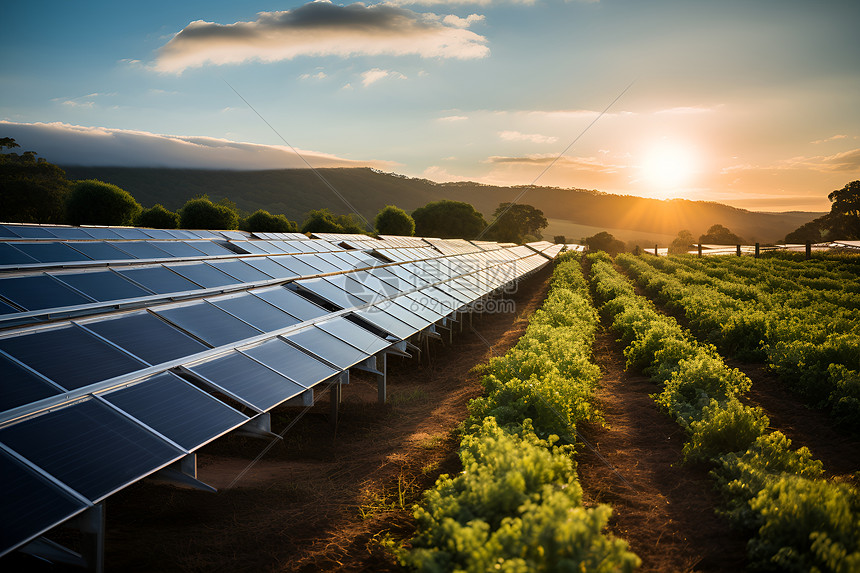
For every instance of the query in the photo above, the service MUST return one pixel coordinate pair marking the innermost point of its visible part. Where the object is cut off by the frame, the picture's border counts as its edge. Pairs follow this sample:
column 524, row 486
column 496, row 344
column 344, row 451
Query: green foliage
column 448, row 220
column 559, row 239
column 157, row 217
column 31, row 190
column 93, row 202
column 324, row 221
column 604, row 241
column 720, row 235
column 393, row 220
column 811, row 232
column 516, row 223
column 516, row 507
column 843, row 221
column 263, row 221
column 202, row 213
column 724, row 428
column 807, row 525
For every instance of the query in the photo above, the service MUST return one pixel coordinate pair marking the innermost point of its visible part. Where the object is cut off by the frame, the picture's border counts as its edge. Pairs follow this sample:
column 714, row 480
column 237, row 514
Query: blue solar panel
column 317, row 262
column 32, row 232
column 254, row 383
column 208, row 323
column 331, row 293
column 299, row 268
column 159, row 279
column 327, row 347
column 177, row 410
column 353, row 287
column 403, row 314
column 7, row 308
column 51, row 252
column 147, row 337
column 270, row 267
column 290, row 302
column 141, row 250
column 244, row 272
column 291, row 362
column 90, row 447
column 30, row 503
column 69, row 356
column 249, row 247
column 6, row 233
column 355, row 335
column 178, row 248
column 386, row 322
column 37, row 292
column 210, row 248
column 102, row 233
column 9, row 255
column 101, row 251
column 20, row 386
column 70, row 233
column 256, row 312
column 103, row 285
column 202, row 274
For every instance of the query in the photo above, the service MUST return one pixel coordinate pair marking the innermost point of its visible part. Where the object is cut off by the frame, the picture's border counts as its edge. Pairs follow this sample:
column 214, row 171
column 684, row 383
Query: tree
column 604, row 241
column 264, row 221
column 448, row 220
column 810, row 231
column 512, row 222
column 202, row 213
column 94, row 202
column 324, row 221
column 393, row 220
column 31, row 190
column 683, row 243
column 559, row 239
column 157, row 217
column 843, row 221
column 719, row 235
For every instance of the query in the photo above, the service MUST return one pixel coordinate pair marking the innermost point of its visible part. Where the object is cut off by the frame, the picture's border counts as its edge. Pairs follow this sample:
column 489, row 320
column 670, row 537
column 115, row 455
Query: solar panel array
column 124, row 350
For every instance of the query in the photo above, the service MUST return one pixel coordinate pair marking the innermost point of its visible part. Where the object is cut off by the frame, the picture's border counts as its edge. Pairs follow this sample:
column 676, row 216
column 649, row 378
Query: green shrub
column 263, row 221
column 202, row 213
column 157, row 217
column 724, row 429
column 94, row 202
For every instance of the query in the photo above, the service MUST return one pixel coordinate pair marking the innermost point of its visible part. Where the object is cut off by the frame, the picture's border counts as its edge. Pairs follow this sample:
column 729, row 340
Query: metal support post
column 757, row 250
column 739, row 250
column 382, row 379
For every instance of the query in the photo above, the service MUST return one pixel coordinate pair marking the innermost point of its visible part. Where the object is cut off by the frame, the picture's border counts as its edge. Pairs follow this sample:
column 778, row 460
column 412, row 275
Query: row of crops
column 517, row 505
column 796, row 520
column 802, row 317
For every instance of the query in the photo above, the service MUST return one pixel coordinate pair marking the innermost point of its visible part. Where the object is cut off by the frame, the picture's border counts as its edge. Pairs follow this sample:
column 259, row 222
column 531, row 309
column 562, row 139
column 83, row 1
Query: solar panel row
column 91, row 405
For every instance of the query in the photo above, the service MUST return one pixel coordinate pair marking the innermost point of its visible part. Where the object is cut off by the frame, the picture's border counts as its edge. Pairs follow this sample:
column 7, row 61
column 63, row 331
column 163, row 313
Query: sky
column 752, row 103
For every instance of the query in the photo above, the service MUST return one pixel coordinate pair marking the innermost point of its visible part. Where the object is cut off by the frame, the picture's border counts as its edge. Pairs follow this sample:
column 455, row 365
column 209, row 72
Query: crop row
column 796, row 520
column 517, row 505
column 755, row 309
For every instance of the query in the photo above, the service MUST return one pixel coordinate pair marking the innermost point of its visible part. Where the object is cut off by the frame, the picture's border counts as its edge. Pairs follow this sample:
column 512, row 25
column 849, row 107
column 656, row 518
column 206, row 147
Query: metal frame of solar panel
column 141, row 353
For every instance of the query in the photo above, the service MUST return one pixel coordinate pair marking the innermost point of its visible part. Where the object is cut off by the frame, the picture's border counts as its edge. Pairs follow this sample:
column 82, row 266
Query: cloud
column 321, row 29
column 531, row 137
column 831, row 138
column 457, row 22
column 687, row 110
column 592, row 164
column 316, row 76
column 845, row 161
column 374, row 75
column 453, row 118
column 66, row 144
column 464, row 2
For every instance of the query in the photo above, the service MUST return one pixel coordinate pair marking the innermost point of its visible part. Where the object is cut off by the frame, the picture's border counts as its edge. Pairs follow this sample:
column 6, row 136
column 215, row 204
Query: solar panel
column 147, row 337
column 177, row 410
column 159, row 279
column 31, row 503
column 36, row 292
column 141, row 250
column 255, row 311
column 419, row 305
column 210, row 248
column 69, row 356
column 178, row 248
column 353, row 287
column 103, row 285
column 70, row 233
column 403, row 314
column 291, row 362
column 90, row 447
column 249, row 247
column 290, row 302
column 270, row 267
column 6, row 308
column 203, row 274
column 26, row 232
column 242, row 271
column 6, row 232
column 101, row 251
column 248, row 380
column 9, row 255
column 317, row 262
column 102, row 233
column 20, row 386
column 328, row 347
column 208, row 323
column 355, row 335
column 298, row 267
column 330, row 292
column 51, row 252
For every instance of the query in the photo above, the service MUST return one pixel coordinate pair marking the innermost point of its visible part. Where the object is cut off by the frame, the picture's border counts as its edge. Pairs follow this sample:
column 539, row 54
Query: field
column 641, row 413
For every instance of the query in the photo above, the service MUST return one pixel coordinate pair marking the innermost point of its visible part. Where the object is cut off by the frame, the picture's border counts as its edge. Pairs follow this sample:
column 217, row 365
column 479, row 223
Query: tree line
column 33, row 190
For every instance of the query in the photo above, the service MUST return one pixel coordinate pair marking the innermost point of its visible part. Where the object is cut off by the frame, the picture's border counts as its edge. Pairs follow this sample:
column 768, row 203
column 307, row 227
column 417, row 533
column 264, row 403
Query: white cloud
column 531, row 137
column 320, row 29
column 464, row 2
column 453, row 118
column 457, row 22
column 316, row 76
column 828, row 139
column 376, row 74
column 66, row 144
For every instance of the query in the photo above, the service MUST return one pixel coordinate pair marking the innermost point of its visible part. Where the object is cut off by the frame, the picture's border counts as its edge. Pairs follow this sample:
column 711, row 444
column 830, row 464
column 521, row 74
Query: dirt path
column 663, row 509
column 322, row 499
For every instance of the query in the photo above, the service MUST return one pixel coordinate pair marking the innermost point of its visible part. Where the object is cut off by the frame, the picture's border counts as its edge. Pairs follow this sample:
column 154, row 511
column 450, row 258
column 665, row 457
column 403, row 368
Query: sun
column 669, row 165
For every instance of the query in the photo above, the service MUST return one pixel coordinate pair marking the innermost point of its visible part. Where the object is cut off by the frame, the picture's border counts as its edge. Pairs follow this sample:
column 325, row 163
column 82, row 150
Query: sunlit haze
column 753, row 104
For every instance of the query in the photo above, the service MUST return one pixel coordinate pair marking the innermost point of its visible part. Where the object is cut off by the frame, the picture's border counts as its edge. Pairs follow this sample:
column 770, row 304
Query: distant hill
column 294, row 192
